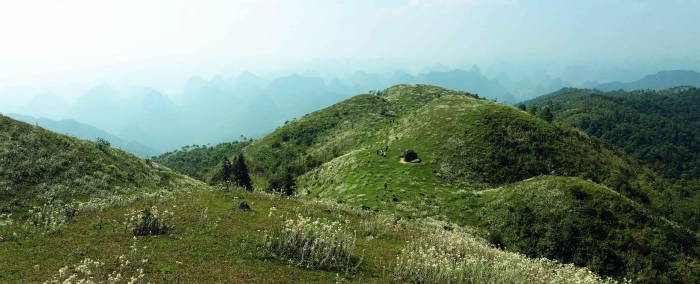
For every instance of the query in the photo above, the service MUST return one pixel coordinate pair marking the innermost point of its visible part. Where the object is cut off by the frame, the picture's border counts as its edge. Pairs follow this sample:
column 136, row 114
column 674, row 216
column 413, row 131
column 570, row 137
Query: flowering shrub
column 130, row 269
column 46, row 220
column 5, row 219
column 148, row 222
column 204, row 225
column 456, row 257
column 381, row 226
column 313, row 243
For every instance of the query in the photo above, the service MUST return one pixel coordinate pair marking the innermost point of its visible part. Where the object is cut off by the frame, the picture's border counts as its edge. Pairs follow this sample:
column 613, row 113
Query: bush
column 316, row 243
column 149, row 222
column 102, row 144
column 130, row 269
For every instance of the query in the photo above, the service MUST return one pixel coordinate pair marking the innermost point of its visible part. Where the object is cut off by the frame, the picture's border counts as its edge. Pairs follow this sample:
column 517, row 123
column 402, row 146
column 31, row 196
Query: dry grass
column 442, row 256
column 313, row 243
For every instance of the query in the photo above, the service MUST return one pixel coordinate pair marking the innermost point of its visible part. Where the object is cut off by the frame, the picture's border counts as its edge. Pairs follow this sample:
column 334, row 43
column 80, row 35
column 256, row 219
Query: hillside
column 472, row 152
column 466, row 145
column 145, row 224
column 85, row 131
column 659, row 128
column 572, row 220
column 462, row 140
column 41, row 168
column 198, row 161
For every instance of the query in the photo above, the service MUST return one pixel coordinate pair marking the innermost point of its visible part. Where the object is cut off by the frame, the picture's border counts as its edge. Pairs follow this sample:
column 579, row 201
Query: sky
column 67, row 46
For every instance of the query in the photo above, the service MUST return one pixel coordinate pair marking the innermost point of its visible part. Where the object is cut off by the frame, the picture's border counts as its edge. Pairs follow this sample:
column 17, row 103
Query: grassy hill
column 466, row 145
column 474, row 155
column 85, row 131
column 41, row 168
column 146, row 224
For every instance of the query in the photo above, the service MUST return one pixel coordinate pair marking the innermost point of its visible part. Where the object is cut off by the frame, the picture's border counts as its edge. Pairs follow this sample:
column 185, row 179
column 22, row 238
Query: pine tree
column 546, row 114
column 240, row 171
column 226, row 170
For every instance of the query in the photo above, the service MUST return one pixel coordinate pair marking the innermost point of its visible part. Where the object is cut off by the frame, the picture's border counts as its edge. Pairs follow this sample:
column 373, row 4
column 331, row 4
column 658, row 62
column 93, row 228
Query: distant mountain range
column 657, row 82
column 85, row 131
column 221, row 110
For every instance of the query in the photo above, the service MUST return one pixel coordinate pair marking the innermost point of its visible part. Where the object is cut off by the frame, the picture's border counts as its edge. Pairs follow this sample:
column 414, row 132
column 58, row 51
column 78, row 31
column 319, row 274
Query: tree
column 283, row 181
column 102, row 144
column 533, row 110
column 226, row 170
column 240, row 171
column 546, row 114
column 522, row 107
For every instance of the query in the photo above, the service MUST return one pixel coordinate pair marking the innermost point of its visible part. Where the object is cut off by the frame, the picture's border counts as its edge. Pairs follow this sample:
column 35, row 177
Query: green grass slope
column 213, row 242
column 464, row 143
column 356, row 123
column 467, row 146
column 659, row 128
column 39, row 167
column 580, row 222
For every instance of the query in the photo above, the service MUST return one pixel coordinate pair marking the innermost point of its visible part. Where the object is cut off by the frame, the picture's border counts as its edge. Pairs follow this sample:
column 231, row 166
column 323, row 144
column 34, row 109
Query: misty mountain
column 401, row 77
column 100, row 107
column 470, row 81
column 246, row 80
column 296, row 95
column 11, row 99
column 45, row 105
column 537, row 84
column 86, row 131
column 364, row 80
column 221, row 110
column 152, row 118
column 659, row 81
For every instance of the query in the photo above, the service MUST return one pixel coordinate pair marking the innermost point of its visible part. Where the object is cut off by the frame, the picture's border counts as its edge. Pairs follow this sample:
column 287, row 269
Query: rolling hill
column 41, row 168
column 472, row 152
column 84, row 131
column 111, row 217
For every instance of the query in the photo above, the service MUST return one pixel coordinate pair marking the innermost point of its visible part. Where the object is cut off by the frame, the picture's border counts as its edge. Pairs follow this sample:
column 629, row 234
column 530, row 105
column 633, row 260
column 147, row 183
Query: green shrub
column 102, row 144
column 149, row 222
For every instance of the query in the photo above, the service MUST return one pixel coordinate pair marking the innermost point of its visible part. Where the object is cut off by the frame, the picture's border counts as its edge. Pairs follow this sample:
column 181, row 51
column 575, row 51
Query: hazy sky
column 60, row 44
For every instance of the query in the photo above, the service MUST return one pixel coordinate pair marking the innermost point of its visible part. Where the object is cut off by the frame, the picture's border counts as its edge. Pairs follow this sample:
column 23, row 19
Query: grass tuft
column 313, row 243
column 149, row 222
